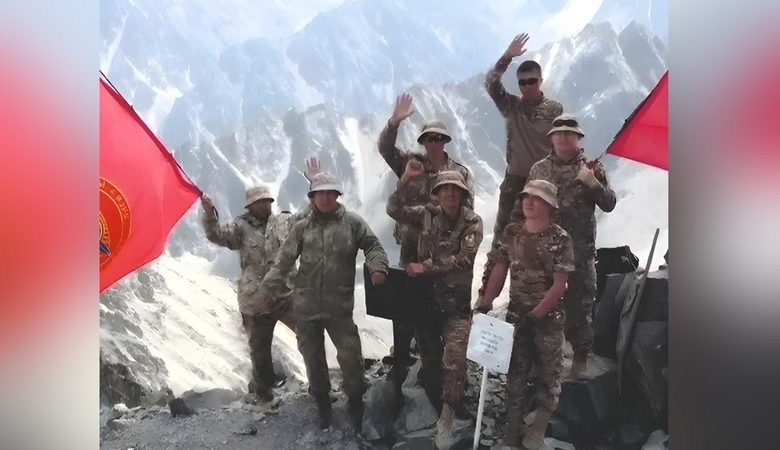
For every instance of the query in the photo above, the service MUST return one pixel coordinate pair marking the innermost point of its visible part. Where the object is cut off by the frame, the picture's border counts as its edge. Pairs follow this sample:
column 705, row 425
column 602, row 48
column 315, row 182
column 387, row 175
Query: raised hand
column 403, row 109
column 207, row 202
column 517, row 46
column 414, row 169
column 313, row 167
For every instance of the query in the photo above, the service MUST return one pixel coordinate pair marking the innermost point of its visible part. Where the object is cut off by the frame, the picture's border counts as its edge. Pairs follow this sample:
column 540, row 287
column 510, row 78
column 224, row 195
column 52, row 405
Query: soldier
column 539, row 255
column 433, row 136
column 447, row 245
column 257, row 236
column 326, row 244
column 581, row 187
column 528, row 118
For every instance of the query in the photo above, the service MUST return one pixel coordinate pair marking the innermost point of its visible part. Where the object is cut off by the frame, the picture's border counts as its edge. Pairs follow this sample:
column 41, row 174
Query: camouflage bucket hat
column 258, row 193
column 544, row 190
column 434, row 126
column 566, row 122
column 450, row 177
column 324, row 182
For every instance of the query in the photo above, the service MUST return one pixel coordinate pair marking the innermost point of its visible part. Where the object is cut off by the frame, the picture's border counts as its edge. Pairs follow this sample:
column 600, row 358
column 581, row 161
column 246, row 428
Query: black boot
column 325, row 410
column 355, row 410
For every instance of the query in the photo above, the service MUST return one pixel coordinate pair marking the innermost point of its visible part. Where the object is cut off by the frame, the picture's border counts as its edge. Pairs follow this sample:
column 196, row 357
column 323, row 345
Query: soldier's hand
column 415, row 269
column 378, row 278
column 483, row 306
column 587, row 177
column 414, row 169
column 402, row 110
column 313, row 167
column 207, row 202
column 517, row 46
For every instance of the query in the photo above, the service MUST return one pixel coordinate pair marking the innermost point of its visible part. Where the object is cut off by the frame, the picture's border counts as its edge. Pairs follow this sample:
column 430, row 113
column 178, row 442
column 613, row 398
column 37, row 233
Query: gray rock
column 555, row 444
column 117, row 411
column 658, row 440
column 179, row 408
column 380, row 405
column 418, row 412
column 211, row 399
column 119, row 425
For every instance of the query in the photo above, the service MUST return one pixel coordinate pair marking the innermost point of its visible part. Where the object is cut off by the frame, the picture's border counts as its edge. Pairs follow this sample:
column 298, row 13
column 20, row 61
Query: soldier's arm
column 376, row 258
column 495, row 88
column 396, row 209
column 226, row 235
column 273, row 285
column 393, row 156
column 563, row 265
column 469, row 244
column 603, row 194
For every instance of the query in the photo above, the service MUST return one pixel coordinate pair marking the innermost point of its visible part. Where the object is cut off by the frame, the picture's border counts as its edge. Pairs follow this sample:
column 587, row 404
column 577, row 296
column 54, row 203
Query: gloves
column 587, row 177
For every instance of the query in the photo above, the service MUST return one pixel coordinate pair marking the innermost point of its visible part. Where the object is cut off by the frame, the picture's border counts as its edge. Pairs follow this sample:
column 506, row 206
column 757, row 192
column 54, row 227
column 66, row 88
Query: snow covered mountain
column 244, row 106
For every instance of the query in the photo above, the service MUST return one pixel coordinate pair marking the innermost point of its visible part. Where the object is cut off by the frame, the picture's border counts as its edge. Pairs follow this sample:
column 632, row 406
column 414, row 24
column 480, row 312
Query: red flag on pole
column 645, row 134
column 143, row 191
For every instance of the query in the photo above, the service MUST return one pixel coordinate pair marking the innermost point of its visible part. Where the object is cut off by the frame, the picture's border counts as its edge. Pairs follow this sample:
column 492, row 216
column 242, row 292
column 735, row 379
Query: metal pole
column 481, row 407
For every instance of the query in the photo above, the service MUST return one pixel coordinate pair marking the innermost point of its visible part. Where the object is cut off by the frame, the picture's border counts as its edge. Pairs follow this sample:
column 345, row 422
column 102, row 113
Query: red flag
column 143, row 191
column 645, row 135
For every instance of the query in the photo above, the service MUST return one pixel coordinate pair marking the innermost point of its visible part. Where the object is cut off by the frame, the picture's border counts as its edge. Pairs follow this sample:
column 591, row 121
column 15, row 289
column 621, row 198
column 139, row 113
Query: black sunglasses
column 565, row 123
column 528, row 81
column 434, row 138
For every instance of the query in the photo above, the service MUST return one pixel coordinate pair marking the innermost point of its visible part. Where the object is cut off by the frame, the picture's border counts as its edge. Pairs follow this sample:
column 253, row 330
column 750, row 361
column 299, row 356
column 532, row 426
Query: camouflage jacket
column 418, row 192
column 326, row 246
column 447, row 248
column 257, row 243
column 527, row 123
column 532, row 259
column 576, row 201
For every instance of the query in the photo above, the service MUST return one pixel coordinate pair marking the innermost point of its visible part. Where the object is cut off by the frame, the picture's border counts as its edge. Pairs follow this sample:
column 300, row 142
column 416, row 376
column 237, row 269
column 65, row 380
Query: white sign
column 490, row 343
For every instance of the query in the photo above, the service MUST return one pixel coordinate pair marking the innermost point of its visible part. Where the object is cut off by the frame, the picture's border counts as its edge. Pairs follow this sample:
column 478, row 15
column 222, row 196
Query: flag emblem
column 114, row 221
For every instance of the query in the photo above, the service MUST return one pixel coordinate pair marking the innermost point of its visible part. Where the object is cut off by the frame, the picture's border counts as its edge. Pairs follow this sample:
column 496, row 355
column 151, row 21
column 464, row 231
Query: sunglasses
column 528, row 81
column 434, row 138
column 565, row 123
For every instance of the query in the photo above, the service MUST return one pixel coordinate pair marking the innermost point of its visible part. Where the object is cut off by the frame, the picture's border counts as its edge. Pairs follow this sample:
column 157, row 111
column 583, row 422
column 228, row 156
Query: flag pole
column 481, row 407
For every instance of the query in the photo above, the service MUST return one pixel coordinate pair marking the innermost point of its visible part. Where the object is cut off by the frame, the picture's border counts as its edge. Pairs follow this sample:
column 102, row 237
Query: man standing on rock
column 539, row 255
column 257, row 235
column 528, row 118
column 581, row 187
column 433, row 136
column 326, row 243
column 448, row 243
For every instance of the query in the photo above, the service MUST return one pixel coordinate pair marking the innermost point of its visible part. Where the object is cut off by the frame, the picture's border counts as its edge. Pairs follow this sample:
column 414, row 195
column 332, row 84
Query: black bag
column 401, row 297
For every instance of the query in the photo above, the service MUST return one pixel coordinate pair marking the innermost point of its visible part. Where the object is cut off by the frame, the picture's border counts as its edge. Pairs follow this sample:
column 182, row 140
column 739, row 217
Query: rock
column 588, row 405
column 380, row 406
column 555, row 444
column 236, row 405
column 658, row 440
column 160, row 397
column 606, row 315
column 259, row 417
column 248, row 429
column 179, row 408
column 631, row 434
column 559, row 429
column 119, row 425
column 418, row 412
column 211, row 399
column 117, row 411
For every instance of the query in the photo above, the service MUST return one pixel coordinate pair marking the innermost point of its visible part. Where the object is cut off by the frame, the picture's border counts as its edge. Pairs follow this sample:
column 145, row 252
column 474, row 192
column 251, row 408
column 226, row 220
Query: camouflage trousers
column 508, row 211
column 577, row 304
column 311, row 343
column 260, row 331
column 542, row 344
column 443, row 343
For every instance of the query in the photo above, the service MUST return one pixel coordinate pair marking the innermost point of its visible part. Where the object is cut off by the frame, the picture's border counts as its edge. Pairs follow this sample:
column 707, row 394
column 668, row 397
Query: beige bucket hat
column 434, row 126
column 324, row 182
column 258, row 193
column 566, row 122
column 544, row 190
column 450, row 177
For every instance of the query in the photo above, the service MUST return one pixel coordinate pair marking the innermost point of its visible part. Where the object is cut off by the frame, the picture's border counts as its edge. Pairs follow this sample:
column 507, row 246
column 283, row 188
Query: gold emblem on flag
column 114, row 221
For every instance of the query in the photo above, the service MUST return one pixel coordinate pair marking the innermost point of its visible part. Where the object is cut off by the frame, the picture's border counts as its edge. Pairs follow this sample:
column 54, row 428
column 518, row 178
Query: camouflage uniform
column 417, row 193
column 576, row 214
column 532, row 258
column 326, row 246
column 257, row 242
column 527, row 142
column 447, row 249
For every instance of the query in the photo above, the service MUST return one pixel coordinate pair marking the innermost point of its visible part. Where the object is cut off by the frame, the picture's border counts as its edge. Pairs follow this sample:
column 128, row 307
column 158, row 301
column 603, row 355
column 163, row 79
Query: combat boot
column 355, row 410
column 534, row 436
column 579, row 366
column 325, row 410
